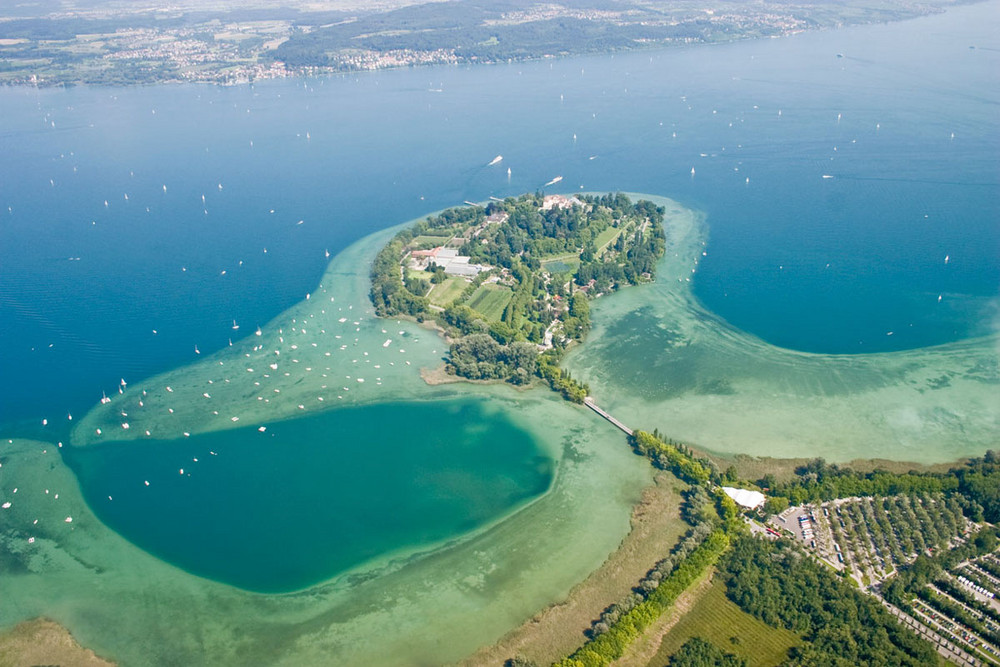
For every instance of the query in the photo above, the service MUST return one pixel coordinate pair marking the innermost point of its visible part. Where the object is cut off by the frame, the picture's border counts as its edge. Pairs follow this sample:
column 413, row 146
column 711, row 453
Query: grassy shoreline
column 558, row 629
column 42, row 641
column 544, row 633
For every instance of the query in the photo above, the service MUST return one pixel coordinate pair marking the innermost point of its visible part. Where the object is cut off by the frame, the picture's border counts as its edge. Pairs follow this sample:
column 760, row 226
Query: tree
column 696, row 652
column 437, row 273
column 775, row 505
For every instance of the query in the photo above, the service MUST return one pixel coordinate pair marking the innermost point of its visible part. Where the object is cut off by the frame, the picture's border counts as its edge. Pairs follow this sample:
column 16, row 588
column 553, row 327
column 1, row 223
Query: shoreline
column 655, row 526
column 353, row 276
column 656, row 358
column 42, row 641
column 738, row 24
column 649, row 534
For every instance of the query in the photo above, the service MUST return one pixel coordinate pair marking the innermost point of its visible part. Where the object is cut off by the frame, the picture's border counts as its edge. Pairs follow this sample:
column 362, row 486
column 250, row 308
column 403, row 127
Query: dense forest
column 779, row 584
column 540, row 260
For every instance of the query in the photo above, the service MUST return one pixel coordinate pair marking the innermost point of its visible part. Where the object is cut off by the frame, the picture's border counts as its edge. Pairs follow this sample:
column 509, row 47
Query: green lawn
column 420, row 275
column 607, row 237
column 566, row 264
column 716, row 619
column 490, row 300
column 446, row 292
column 434, row 241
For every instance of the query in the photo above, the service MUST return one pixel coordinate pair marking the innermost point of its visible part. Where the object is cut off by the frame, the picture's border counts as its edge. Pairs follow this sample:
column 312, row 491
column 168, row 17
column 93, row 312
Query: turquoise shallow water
column 823, row 265
column 234, row 197
column 309, row 498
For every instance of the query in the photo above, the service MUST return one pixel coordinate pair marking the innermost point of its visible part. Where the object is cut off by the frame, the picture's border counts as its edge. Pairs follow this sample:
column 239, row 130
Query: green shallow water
column 526, row 520
column 417, row 606
column 423, row 601
column 657, row 359
column 309, row 498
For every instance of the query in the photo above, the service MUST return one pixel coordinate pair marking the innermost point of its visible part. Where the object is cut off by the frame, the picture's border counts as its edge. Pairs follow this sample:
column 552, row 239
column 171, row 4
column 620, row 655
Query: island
column 734, row 561
column 509, row 283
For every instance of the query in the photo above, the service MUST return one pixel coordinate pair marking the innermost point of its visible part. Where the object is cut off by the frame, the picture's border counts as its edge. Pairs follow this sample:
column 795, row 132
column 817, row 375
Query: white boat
column 554, row 181
column 387, row 343
column 495, row 160
column 235, row 326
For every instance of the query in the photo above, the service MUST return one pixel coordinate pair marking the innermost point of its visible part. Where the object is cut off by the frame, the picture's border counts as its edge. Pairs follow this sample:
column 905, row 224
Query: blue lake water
column 309, row 498
column 802, row 261
column 139, row 224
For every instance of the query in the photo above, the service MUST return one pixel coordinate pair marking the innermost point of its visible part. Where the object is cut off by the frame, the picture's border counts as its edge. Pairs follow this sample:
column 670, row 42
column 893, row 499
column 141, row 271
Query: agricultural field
column 715, row 618
column 446, row 292
column 490, row 300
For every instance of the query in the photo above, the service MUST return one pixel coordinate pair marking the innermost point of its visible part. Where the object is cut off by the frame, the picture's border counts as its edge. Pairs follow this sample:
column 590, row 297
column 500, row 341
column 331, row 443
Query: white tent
column 745, row 497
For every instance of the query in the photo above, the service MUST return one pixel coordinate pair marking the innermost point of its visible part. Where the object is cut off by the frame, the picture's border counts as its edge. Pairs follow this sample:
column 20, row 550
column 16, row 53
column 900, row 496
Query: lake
column 815, row 264
column 847, row 191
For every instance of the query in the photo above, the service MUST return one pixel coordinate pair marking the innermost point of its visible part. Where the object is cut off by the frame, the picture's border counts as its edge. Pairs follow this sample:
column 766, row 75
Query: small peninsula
column 510, row 282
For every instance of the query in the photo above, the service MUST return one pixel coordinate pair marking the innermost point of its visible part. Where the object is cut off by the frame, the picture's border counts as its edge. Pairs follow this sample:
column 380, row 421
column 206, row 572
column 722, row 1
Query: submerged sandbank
column 326, row 351
column 428, row 608
column 657, row 359
column 431, row 604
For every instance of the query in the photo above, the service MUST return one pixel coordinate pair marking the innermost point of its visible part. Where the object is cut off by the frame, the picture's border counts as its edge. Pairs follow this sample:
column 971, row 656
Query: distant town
column 57, row 43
